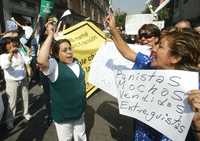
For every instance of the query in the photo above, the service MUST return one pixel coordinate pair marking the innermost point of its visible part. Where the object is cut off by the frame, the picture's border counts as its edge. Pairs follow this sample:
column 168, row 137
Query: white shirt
column 52, row 72
column 27, row 34
column 14, row 70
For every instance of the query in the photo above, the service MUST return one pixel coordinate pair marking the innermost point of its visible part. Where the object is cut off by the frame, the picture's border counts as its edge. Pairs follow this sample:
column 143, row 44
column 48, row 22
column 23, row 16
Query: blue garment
column 142, row 61
column 144, row 132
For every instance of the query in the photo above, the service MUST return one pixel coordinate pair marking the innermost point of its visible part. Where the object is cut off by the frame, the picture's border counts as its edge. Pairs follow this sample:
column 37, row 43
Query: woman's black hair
column 153, row 29
column 5, row 41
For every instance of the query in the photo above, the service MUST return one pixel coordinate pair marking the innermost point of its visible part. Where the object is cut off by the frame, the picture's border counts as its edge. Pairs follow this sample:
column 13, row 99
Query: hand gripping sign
column 158, row 98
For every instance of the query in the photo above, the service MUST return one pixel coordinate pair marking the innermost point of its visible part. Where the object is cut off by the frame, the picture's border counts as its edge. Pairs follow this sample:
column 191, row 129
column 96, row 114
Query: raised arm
column 121, row 45
column 43, row 55
column 18, row 24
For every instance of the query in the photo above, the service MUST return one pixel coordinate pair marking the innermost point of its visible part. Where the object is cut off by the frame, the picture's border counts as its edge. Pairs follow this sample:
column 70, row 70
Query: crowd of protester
column 19, row 70
column 175, row 48
column 30, row 55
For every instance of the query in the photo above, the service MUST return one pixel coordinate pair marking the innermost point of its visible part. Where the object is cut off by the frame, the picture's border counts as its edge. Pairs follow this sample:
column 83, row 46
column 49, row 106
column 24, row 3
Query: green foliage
column 163, row 14
column 120, row 19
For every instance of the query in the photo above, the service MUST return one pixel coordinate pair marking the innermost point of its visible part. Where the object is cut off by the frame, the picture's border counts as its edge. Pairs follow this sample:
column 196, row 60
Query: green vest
column 67, row 94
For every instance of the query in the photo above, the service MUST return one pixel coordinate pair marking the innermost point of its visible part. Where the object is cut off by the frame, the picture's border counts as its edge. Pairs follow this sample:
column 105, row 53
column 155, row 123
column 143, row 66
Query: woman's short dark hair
column 150, row 28
column 6, row 41
column 56, row 47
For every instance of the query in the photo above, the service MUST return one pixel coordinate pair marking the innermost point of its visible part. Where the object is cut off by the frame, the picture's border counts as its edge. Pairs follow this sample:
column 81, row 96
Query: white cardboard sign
column 136, row 21
column 106, row 61
column 158, row 98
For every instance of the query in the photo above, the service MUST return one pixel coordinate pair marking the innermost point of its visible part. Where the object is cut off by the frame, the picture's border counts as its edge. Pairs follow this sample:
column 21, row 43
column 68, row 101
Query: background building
column 187, row 9
column 94, row 10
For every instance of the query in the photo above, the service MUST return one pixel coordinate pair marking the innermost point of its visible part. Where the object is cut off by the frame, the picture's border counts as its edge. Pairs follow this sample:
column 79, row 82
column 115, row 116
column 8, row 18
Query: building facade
column 187, row 9
column 94, row 10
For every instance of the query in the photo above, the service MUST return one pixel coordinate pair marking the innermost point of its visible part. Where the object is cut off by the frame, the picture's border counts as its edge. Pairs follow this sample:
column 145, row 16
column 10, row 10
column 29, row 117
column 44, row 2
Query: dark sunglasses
column 145, row 34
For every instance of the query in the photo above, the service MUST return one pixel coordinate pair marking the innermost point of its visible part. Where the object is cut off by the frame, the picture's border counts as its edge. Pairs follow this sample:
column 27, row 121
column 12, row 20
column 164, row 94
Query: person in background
column 148, row 34
column 178, row 50
column 28, row 30
column 15, row 68
column 43, row 78
column 67, row 87
column 183, row 24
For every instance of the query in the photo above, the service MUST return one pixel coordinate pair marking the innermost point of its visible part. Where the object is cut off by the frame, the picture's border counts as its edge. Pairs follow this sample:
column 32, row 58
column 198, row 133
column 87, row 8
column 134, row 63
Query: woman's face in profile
column 162, row 57
column 65, row 53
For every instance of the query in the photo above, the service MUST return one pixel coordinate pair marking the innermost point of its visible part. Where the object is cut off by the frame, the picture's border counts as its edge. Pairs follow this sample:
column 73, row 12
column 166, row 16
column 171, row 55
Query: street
column 103, row 122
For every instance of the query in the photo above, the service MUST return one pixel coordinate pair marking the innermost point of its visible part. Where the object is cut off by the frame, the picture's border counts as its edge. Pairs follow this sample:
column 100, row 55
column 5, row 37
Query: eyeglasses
column 145, row 34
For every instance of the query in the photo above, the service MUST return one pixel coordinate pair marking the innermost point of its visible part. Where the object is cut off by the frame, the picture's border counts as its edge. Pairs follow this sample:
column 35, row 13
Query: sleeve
column 142, row 61
column 4, row 61
column 52, row 71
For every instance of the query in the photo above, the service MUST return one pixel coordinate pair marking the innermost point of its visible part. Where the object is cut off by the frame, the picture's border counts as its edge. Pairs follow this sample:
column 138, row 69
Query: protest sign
column 106, row 61
column 135, row 22
column 86, row 39
column 46, row 7
column 158, row 98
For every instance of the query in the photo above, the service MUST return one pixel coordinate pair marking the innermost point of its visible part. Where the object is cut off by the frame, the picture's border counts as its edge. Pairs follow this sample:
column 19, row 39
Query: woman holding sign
column 67, row 87
column 177, row 50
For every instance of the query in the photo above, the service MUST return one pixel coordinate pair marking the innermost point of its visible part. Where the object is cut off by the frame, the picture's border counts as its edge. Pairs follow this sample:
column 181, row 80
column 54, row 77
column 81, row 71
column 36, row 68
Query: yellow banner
column 86, row 39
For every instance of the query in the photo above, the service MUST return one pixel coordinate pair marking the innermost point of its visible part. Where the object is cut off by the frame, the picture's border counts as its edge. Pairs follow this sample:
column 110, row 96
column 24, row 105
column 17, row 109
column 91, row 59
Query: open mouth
column 70, row 56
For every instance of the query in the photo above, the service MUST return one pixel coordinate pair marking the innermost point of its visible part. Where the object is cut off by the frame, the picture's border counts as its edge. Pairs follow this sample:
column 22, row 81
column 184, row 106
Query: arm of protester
column 121, row 45
column 194, row 100
column 18, row 24
column 11, row 34
column 43, row 55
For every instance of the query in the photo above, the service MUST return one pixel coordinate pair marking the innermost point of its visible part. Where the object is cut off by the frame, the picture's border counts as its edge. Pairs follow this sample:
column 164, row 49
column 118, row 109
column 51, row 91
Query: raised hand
column 110, row 21
column 194, row 100
column 50, row 28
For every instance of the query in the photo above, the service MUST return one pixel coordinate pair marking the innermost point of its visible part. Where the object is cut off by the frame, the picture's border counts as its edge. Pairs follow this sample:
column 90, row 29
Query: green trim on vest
column 67, row 94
